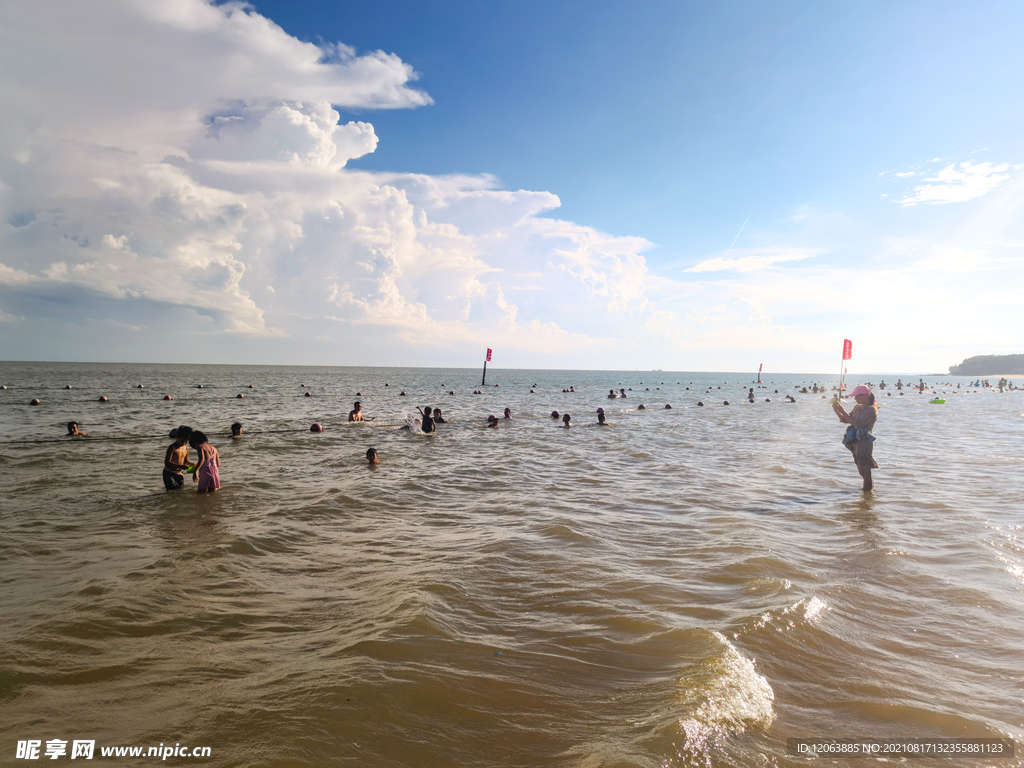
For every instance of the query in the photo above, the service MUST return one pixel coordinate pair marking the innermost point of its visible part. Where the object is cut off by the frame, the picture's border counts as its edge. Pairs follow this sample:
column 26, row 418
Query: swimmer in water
column 371, row 456
column 427, row 422
column 236, row 431
column 356, row 414
column 622, row 392
column 611, row 394
column 176, row 459
column 508, row 413
column 207, row 472
column 555, row 415
column 492, row 421
column 73, row 430
column 437, row 417
column 858, row 438
column 641, row 407
column 567, row 420
column 601, row 420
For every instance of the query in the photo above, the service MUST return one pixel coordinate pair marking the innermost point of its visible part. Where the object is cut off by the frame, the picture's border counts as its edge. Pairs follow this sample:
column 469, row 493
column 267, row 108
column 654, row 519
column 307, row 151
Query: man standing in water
column 356, row 414
column 176, row 459
column 858, row 438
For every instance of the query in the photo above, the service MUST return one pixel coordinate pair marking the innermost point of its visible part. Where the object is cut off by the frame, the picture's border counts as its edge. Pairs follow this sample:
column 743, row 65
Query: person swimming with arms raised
column 427, row 422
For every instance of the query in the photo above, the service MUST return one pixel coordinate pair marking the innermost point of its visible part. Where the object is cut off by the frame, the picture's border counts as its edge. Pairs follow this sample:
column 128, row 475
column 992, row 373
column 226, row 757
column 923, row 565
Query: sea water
column 691, row 586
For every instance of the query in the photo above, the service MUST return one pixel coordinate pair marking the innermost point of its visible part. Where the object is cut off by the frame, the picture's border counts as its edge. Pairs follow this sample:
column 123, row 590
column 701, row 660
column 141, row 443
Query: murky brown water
column 686, row 587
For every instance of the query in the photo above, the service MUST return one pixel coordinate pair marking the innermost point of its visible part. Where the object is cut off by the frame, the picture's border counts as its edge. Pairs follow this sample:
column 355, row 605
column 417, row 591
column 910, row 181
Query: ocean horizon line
column 494, row 369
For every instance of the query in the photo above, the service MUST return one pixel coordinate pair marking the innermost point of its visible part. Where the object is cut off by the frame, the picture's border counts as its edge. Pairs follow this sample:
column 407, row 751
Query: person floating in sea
column 567, row 420
column 73, row 429
column 611, row 394
column 601, row 420
column 555, row 415
column 508, row 413
column 176, row 459
column 207, row 471
column 236, row 431
column 622, row 392
column 492, row 421
column 371, row 456
column 858, row 438
column 356, row 414
column 437, row 417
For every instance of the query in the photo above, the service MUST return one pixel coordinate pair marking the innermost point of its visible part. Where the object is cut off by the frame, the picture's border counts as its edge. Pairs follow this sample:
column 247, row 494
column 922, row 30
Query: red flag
column 488, row 354
column 847, row 349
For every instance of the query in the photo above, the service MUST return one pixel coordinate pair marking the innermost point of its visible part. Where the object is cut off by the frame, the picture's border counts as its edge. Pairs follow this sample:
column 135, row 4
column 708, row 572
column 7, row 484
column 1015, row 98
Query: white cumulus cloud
column 958, row 183
column 751, row 260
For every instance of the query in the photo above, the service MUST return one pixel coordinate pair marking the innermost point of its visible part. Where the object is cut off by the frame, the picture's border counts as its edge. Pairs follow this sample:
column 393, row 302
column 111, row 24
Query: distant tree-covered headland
column 989, row 365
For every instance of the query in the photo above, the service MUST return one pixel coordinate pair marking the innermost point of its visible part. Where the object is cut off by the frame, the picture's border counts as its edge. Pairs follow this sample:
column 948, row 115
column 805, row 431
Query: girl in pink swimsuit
column 208, row 469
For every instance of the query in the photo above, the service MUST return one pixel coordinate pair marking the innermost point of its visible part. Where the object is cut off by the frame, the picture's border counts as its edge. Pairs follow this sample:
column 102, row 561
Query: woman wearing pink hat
column 858, row 437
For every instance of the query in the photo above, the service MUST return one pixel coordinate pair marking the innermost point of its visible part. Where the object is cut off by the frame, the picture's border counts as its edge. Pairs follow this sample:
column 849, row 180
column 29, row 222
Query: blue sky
column 678, row 121
column 670, row 185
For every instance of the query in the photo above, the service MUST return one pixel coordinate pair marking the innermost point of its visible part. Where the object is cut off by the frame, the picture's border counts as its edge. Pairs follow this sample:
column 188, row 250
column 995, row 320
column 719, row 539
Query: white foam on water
column 806, row 610
column 723, row 695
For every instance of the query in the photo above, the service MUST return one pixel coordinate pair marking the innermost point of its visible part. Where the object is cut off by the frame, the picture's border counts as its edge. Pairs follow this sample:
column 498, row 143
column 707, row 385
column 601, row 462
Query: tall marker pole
column 484, row 379
column 847, row 354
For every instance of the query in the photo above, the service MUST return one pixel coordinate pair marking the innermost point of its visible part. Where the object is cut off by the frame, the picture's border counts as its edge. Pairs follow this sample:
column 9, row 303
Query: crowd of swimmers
column 206, row 474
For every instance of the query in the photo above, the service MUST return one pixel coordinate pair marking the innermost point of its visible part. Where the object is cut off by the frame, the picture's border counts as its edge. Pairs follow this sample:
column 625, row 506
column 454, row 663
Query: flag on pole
column 847, row 349
column 488, row 354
